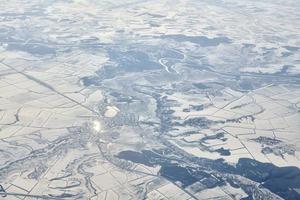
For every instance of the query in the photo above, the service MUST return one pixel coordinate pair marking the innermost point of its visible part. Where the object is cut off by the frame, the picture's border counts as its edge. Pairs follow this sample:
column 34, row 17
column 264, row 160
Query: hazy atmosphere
column 150, row 99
